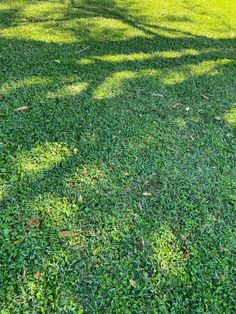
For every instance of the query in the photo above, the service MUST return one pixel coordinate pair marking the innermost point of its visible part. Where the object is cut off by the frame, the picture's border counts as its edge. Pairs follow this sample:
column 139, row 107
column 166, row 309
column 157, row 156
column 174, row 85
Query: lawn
column 117, row 156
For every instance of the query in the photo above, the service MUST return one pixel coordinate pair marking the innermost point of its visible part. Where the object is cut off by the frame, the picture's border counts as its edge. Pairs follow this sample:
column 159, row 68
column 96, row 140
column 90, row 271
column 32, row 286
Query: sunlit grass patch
column 27, row 83
column 134, row 57
column 114, row 85
column 41, row 158
column 45, row 31
column 180, row 122
column 57, row 212
column 230, row 116
column 173, row 77
column 167, row 254
column 69, row 90
column 209, row 67
column 43, row 10
column 73, row 30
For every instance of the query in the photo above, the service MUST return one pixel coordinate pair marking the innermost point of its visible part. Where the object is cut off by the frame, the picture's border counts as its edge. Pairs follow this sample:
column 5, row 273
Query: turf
column 117, row 181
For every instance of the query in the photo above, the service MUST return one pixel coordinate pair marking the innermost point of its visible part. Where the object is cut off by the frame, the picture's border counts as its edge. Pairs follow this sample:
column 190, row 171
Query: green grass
column 117, row 186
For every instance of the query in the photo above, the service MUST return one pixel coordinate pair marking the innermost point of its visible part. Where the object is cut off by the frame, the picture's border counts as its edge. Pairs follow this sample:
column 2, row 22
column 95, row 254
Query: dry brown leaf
column 37, row 275
column 71, row 234
column 186, row 253
column 133, row 283
column 32, row 221
column 147, row 194
column 23, row 108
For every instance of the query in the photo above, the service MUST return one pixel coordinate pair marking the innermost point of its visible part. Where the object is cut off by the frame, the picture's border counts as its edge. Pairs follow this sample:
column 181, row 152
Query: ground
column 117, row 156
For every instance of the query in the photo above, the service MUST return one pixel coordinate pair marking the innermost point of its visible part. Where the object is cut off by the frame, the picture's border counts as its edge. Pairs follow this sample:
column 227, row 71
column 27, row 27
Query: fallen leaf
column 217, row 118
column 75, row 150
column 23, row 108
column 133, row 283
column 186, row 253
column 37, row 275
column 71, row 234
column 223, row 249
column 204, row 96
column 24, row 276
column 147, row 194
column 57, row 61
column 142, row 244
column 32, row 221
column 175, row 106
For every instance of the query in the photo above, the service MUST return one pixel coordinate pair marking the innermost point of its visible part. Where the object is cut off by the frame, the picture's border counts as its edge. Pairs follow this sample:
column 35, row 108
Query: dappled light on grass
column 66, row 22
column 133, row 57
column 42, row 10
column 167, row 254
column 208, row 67
column 114, row 85
column 41, row 158
column 116, row 181
column 56, row 212
column 181, row 74
column 26, row 83
column 230, row 116
column 173, row 77
column 73, row 31
column 46, row 32
column 117, row 83
column 69, row 90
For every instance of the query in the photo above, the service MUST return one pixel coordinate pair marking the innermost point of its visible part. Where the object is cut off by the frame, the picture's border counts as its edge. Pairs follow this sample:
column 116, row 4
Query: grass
column 117, row 185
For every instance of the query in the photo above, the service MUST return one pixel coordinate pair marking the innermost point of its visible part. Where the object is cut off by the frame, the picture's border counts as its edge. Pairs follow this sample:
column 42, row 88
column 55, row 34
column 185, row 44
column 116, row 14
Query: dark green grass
column 140, row 168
